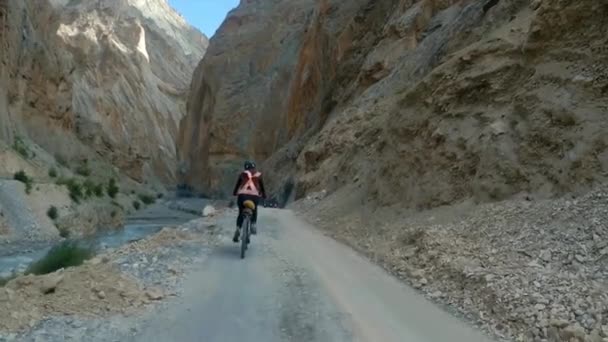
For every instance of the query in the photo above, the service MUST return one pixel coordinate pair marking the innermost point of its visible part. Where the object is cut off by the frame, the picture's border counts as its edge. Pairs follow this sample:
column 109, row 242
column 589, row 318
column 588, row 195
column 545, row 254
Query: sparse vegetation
column 83, row 169
column 53, row 213
column 113, row 214
column 22, row 177
column 52, row 172
column 146, row 199
column 112, row 188
column 74, row 188
column 89, row 188
column 136, row 205
column 98, row 190
column 66, row 254
column 78, row 191
column 21, row 147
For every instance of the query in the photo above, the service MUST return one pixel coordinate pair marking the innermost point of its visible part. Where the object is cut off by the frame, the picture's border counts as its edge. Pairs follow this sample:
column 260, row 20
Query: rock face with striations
column 421, row 102
column 265, row 81
column 98, row 78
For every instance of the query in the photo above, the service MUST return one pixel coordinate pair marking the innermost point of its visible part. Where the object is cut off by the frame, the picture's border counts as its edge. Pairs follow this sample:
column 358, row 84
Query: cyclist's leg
column 255, row 200
column 240, row 200
column 254, row 217
column 239, row 218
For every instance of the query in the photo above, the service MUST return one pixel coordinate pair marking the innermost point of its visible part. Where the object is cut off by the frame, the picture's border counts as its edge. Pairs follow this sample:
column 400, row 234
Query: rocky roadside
column 522, row 270
column 105, row 299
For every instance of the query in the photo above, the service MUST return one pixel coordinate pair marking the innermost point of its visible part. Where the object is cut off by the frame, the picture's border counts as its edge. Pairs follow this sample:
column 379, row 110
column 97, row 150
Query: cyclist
column 249, row 186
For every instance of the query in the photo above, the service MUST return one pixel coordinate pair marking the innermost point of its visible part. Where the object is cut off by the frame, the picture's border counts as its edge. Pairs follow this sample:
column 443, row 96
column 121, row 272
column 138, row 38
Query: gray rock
column 208, row 211
column 545, row 255
column 50, row 282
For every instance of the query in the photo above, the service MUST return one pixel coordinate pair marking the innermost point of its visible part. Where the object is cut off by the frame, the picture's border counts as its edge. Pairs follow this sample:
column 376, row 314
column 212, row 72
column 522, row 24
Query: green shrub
column 66, row 254
column 136, row 205
column 112, row 188
column 113, row 214
column 21, row 147
column 159, row 195
column 98, row 190
column 22, row 177
column 147, row 199
column 89, row 188
column 52, row 213
column 52, row 172
column 74, row 188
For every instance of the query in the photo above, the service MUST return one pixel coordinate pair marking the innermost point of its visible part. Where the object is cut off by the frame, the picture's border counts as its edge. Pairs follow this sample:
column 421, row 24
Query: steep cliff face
column 422, row 102
column 98, row 79
column 260, row 85
column 487, row 105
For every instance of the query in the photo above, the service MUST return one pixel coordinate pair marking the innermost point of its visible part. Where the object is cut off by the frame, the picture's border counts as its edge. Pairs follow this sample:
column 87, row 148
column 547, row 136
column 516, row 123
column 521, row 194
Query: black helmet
column 249, row 165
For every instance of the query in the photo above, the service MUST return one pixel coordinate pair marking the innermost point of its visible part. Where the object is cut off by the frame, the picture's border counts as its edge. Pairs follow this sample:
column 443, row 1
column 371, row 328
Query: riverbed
column 148, row 221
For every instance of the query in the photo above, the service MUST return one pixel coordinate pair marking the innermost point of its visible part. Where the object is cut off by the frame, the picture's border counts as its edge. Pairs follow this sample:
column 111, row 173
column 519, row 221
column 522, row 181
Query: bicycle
column 246, row 227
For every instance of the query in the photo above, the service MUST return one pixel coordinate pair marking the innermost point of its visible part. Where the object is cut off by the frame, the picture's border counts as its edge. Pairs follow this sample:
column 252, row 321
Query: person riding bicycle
column 249, row 186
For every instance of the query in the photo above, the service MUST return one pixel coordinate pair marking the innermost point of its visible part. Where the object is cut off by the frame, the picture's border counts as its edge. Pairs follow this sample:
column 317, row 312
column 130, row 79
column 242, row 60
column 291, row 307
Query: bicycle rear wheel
column 245, row 235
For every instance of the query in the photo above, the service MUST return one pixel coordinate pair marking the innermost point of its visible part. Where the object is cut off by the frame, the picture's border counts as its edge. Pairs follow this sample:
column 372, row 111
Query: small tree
column 147, row 199
column 112, row 188
column 53, row 213
column 22, row 177
column 89, row 188
column 98, row 190
column 21, row 147
column 75, row 189
column 52, row 172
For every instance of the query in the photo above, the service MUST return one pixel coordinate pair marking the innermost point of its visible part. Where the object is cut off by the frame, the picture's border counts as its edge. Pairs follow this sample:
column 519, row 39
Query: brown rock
column 118, row 92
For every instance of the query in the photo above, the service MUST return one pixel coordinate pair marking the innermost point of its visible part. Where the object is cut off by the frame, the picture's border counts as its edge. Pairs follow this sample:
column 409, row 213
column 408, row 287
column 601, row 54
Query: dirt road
column 297, row 285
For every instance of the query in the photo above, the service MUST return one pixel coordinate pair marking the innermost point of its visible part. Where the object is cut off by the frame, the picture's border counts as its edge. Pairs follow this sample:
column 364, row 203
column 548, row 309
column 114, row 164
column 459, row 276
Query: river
column 148, row 221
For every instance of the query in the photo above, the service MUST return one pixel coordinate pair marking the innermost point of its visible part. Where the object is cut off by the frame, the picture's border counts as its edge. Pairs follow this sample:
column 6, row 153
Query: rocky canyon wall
column 420, row 102
column 98, row 79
